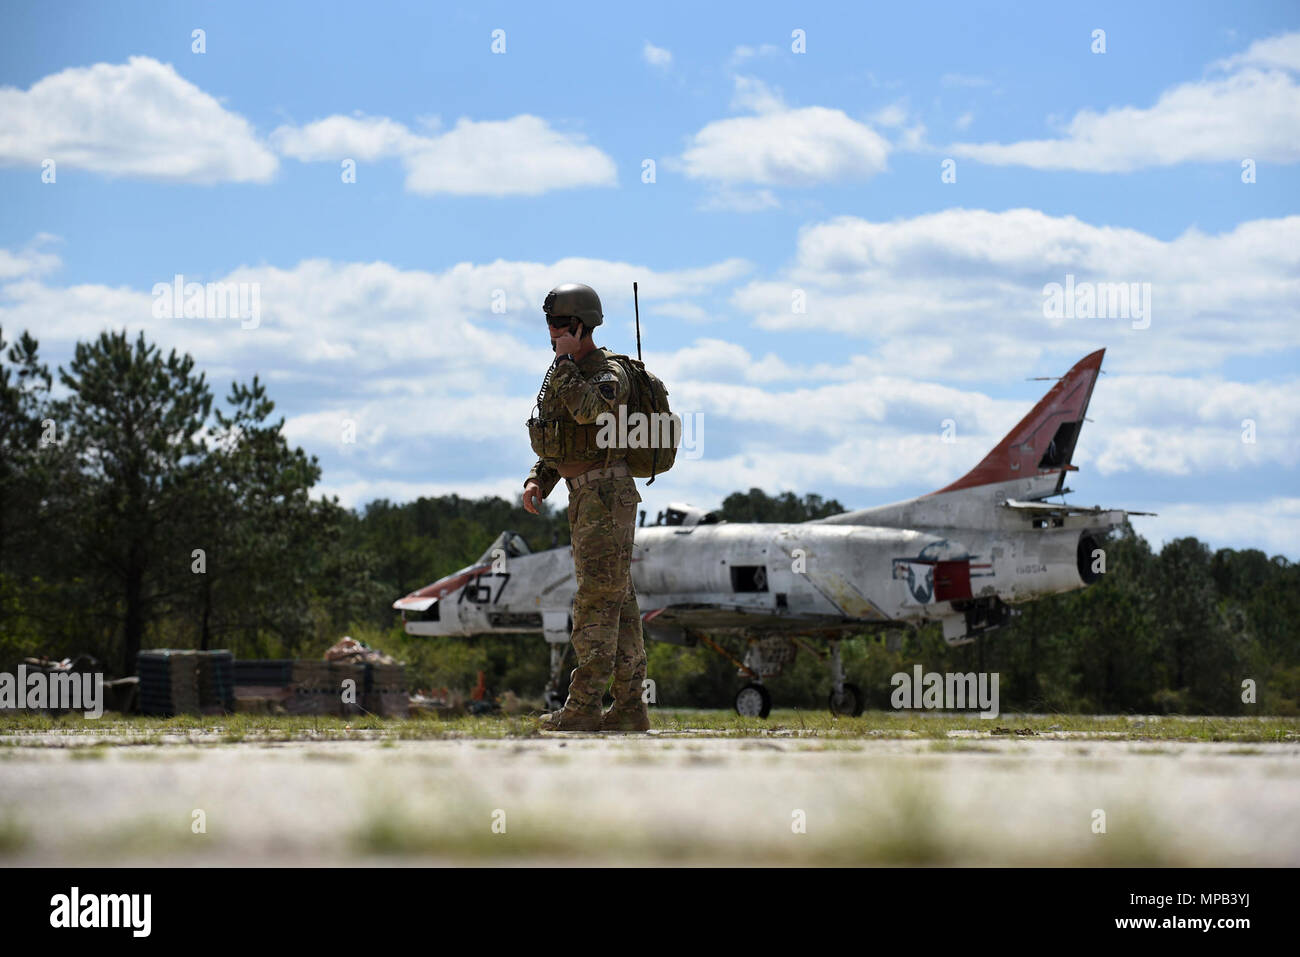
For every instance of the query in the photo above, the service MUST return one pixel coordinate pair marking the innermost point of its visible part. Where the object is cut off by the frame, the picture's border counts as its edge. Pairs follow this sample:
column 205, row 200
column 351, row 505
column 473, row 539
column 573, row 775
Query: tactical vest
column 555, row 435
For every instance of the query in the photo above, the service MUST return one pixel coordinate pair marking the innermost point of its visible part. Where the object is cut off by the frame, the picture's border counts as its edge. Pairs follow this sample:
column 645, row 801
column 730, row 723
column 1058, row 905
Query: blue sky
column 482, row 174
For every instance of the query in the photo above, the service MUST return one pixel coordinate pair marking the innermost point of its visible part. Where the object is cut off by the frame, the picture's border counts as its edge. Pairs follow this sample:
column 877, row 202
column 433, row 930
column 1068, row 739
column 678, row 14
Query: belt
column 617, row 470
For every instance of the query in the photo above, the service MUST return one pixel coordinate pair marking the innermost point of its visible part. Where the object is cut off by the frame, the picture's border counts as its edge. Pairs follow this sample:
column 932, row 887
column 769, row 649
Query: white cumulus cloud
column 521, row 156
column 782, row 146
column 1253, row 111
column 975, row 280
column 139, row 119
column 351, row 137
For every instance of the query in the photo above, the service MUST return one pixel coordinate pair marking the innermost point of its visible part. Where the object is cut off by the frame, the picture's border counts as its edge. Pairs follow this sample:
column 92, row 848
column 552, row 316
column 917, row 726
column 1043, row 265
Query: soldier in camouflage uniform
column 582, row 383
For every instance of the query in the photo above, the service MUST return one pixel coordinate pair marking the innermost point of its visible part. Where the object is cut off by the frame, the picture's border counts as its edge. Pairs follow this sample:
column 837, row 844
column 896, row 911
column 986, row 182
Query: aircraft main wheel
column 848, row 702
column 753, row 701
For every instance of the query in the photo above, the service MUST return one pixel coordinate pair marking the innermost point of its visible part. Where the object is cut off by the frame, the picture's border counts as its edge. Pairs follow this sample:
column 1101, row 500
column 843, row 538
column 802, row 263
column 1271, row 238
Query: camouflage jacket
column 576, row 394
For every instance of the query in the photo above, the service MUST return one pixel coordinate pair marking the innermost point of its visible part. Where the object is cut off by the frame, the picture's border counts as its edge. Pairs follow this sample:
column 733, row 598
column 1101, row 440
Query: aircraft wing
column 1061, row 508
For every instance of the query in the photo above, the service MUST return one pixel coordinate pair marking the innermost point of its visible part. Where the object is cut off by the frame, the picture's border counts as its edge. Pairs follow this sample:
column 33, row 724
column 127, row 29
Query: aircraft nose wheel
column 753, row 701
column 847, row 702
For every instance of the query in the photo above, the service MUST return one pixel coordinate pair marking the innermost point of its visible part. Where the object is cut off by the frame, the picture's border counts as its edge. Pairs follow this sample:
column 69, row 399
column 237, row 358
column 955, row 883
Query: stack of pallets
column 216, row 682
column 168, row 682
column 263, row 672
column 312, row 691
column 350, row 698
column 386, row 691
column 262, row 684
column 212, row 682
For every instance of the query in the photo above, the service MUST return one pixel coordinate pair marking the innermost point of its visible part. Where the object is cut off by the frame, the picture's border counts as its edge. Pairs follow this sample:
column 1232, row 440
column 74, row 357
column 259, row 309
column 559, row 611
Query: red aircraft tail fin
column 1043, row 441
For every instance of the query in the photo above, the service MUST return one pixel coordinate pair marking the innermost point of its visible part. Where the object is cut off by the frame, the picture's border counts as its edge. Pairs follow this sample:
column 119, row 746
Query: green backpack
column 649, row 397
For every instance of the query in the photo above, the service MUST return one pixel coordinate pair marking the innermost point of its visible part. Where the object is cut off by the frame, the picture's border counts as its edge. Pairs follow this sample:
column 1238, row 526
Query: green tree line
column 137, row 511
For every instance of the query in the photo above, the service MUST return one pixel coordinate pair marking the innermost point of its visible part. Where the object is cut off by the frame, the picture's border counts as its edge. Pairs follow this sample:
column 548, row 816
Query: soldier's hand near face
column 532, row 497
column 567, row 343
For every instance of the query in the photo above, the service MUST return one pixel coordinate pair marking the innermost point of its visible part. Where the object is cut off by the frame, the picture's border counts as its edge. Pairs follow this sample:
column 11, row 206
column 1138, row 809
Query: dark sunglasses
column 560, row 322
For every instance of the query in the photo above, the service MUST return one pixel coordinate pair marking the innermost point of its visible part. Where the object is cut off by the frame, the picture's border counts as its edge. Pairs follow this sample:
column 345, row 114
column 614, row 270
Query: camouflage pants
column 606, row 619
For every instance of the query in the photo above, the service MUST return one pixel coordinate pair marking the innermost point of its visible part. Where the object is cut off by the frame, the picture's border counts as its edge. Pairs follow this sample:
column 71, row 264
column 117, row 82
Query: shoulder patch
column 606, row 376
column 608, row 389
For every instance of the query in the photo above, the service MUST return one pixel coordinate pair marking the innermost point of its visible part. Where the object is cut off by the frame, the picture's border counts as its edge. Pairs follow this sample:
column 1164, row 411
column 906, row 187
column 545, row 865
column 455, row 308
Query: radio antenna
column 637, row 307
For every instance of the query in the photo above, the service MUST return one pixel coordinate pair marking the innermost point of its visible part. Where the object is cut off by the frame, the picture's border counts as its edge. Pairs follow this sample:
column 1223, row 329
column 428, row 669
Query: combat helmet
column 574, row 299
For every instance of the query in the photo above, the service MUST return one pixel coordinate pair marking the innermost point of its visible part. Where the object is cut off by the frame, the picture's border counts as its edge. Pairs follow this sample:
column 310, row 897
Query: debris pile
column 443, row 702
column 119, row 695
column 349, row 649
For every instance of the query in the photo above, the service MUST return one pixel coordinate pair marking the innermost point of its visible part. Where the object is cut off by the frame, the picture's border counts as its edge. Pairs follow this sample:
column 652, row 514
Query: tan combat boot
column 571, row 719
column 634, row 717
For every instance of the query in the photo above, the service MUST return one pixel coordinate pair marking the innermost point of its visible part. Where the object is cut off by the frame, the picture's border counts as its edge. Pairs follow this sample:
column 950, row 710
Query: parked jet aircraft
column 963, row 555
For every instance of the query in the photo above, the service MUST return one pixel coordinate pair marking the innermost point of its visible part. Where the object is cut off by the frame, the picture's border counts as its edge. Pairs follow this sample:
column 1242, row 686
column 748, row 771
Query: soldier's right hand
column 532, row 497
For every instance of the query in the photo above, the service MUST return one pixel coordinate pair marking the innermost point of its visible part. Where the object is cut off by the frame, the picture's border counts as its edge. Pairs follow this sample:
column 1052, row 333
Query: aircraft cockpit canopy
column 680, row 513
column 512, row 543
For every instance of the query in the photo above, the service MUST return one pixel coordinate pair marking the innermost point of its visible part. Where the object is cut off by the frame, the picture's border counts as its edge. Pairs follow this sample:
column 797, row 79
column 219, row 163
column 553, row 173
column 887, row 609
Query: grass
column 96, row 751
column 74, row 731
column 906, row 827
column 12, row 836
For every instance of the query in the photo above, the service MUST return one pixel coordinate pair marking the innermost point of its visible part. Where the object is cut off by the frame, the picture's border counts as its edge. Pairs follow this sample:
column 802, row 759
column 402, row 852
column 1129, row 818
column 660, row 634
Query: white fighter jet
column 964, row 556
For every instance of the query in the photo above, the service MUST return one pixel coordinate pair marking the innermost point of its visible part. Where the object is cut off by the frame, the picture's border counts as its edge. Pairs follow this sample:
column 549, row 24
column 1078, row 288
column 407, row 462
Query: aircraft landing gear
column 764, row 657
column 846, row 698
column 753, row 701
column 768, row 656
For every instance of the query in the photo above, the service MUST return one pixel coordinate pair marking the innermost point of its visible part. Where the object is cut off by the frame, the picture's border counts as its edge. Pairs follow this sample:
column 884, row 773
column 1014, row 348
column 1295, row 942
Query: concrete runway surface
column 656, row 799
